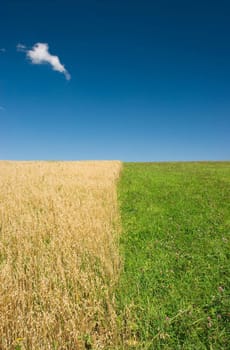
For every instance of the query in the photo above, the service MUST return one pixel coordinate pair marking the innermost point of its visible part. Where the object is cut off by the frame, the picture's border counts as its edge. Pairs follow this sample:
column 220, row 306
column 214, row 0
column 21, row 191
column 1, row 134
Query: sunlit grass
column 174, row 289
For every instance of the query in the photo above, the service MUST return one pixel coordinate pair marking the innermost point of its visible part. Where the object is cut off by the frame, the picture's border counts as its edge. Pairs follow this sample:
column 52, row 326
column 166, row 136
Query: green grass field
column 174, row 288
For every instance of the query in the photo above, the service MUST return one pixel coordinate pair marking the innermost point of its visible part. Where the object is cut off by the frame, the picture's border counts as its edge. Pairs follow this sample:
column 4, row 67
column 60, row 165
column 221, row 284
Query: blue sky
column 150, row 80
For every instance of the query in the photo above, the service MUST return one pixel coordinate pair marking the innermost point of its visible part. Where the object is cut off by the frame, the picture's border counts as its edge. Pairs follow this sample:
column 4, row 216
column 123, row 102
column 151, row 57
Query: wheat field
column 59, row 256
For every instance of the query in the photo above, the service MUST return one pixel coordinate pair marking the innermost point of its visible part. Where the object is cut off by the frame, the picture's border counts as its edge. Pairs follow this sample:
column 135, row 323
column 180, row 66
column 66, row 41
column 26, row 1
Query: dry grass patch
column 58, row 254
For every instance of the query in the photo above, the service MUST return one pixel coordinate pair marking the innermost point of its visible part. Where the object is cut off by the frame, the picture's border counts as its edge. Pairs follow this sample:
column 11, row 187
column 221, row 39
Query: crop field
column 105, row 255
column 58, row 254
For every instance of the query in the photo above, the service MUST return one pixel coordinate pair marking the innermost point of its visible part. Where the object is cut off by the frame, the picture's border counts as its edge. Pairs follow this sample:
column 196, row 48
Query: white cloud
column 40, row 55
column 21, row 48
column 2, row 108
column 2, row 50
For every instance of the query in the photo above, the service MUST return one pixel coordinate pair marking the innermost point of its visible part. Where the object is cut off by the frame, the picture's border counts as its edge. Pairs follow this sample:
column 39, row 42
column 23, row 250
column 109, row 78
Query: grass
column 59, row 257
column 63, row 285
column 174, row 289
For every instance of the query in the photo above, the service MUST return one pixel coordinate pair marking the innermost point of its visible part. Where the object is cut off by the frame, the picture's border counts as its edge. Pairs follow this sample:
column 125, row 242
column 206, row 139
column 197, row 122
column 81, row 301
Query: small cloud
column 2, row 108
column 21, row 48
column 40, row 55
column 2, row 50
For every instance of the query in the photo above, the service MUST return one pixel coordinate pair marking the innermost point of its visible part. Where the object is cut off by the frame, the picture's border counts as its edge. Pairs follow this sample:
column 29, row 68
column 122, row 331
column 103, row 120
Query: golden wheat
column 58, row 254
